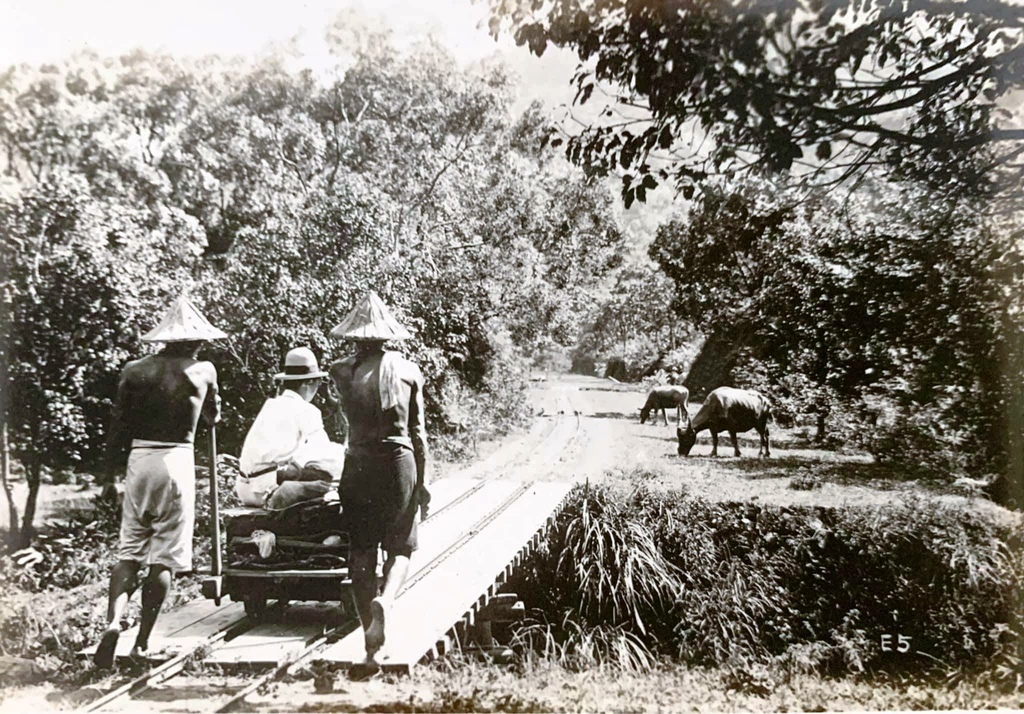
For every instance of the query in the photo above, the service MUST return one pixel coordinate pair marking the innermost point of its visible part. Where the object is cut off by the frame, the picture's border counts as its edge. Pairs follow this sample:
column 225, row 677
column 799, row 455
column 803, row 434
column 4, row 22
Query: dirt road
column 587, row 428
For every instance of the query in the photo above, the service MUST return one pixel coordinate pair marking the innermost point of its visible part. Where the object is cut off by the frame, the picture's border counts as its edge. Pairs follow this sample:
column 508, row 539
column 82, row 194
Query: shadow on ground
column 824, row 469
column 670, row 438
column 613, row 415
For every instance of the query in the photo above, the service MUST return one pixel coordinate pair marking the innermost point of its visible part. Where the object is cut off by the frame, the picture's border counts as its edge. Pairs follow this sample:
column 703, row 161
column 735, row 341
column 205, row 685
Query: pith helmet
column 300, row 363
column 369, row 320
column 183, row 323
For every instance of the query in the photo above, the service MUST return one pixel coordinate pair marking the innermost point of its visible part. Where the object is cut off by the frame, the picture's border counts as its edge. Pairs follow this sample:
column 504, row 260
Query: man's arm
column 211, row 407
column 118, row 436
column 334, row 388
column 418, row 435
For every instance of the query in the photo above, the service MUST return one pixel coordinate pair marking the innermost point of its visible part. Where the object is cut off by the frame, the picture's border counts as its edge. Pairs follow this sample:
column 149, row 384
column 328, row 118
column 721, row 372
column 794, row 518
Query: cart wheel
column 256, row 608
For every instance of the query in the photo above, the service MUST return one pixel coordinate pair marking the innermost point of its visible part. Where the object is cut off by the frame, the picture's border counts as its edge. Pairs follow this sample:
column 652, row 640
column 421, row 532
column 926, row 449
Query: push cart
column 295, row 554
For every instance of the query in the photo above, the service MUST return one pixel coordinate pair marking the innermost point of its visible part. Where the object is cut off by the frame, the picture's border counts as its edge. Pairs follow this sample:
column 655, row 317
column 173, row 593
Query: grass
column 463, row 685
column 53, row 609
column 764, row 593
column 649, row 594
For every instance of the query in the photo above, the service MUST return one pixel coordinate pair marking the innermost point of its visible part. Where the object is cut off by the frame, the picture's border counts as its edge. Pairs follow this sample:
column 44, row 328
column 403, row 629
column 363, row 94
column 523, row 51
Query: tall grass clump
column 808, row 589
column 606, row 582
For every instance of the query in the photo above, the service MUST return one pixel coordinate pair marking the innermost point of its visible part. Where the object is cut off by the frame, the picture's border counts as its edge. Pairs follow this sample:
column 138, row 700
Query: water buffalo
column 731, row 410
column 672, row 397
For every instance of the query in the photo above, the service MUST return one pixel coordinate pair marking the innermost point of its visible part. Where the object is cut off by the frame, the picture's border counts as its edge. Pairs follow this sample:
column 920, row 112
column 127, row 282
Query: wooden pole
column 215, row 565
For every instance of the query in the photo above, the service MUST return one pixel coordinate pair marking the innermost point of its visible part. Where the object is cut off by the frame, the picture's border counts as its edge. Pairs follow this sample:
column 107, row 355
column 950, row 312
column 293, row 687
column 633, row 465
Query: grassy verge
column 547, row 686
column 55, row 606
column 631, row 578
column 655, row 600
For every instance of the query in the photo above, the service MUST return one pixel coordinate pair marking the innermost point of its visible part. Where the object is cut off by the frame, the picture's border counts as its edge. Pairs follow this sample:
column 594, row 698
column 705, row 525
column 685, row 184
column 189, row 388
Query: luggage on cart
column 299, row 553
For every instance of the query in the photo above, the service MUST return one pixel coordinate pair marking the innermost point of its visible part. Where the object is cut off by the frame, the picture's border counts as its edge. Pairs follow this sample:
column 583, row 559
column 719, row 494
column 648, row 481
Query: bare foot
column 375, row 632
column 107, row 648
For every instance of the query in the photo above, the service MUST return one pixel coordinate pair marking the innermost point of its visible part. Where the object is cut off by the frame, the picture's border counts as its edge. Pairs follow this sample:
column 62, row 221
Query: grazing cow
column 666, row 398
column 731, row 410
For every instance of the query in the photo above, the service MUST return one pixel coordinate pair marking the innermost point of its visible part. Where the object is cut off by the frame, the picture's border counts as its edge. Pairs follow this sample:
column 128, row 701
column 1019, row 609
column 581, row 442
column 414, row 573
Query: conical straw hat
column 183, row 323
column 370, row 319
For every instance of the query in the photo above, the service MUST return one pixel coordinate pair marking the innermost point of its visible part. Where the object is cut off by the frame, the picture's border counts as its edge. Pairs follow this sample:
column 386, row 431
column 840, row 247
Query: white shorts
column 159, row 507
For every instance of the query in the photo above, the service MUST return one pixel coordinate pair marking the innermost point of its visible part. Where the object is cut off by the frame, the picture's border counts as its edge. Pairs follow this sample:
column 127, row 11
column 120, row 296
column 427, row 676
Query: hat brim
column 283, row 377
column 186, row 338
column 363, row 338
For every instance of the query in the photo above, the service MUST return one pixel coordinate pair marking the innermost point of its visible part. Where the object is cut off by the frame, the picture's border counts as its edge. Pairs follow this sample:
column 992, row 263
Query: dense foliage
column 833, row 87
column 56, row 596
column 275, row 198
column 888, row 309
column 634, row 577
column 637, row 324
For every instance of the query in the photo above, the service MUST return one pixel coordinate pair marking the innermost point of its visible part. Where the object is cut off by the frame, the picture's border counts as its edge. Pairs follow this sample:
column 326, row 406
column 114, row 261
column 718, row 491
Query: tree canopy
column 888, row 303
column 824, row 88
column 275, row 198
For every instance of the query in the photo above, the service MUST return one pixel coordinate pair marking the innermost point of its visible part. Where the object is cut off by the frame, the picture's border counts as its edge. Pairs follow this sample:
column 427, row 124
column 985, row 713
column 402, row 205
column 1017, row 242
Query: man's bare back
column 159, row 401
column 357, row 379
column 160, row 398
column 384, row 483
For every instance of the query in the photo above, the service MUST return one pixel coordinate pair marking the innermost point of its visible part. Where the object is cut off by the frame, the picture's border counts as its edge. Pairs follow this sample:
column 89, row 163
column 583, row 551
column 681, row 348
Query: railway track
column 174, row 667
column 145, row 690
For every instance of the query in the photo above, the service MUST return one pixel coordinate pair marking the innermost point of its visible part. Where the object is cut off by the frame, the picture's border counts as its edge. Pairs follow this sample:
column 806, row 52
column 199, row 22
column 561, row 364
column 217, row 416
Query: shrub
column 578, row 648
column 54, row 604
column 924, row 442
column 617, row 369
column 813, row 589
column 73, row 551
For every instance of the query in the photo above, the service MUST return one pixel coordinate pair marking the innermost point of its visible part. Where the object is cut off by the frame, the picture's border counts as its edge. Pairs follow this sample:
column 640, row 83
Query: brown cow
column 732, row 410
column 671, row 397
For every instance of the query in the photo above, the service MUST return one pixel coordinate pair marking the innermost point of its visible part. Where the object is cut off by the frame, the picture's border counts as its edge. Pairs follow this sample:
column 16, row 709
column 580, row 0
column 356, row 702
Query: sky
column 37, row 31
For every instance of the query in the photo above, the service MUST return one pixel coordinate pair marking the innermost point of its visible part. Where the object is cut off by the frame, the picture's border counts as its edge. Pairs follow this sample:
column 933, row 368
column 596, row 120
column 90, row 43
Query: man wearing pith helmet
column 287, row 445
column 385, row 471
column 159, row 401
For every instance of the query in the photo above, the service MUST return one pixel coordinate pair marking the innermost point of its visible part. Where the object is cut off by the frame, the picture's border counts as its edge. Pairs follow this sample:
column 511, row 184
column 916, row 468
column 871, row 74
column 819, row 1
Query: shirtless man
column 159, row 401
column 384, row 481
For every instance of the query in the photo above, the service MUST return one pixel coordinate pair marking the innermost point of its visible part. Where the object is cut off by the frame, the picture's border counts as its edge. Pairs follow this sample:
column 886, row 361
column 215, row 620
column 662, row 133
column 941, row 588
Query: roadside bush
column 55, row 602
column 578, row 648
column 797, row 399
column 73, row 551
column 460, row 415
column 616, row 369
column 584, row 363
column 923, row 441
column 811, row 589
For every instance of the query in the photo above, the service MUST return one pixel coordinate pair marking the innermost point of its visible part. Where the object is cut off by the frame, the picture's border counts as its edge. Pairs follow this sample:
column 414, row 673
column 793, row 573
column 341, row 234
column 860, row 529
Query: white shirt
column 288, row 428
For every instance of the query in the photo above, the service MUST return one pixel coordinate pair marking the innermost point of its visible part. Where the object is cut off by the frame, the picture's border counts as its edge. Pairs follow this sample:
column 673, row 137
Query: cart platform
column 305, row 558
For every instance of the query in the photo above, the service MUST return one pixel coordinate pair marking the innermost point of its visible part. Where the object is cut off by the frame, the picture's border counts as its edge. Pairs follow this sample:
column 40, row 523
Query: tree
column 888, row 298
column 71, row 321
column 824, row 88
column 636, row 321
column 276, row 198
column 719, row 260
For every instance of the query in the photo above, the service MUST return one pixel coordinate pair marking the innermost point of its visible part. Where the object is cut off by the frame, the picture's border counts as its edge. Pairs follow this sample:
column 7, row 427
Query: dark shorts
column 377, row 499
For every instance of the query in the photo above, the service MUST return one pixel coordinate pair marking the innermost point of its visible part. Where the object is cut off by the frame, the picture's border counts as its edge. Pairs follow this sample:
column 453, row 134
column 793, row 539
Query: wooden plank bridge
column 478, row 532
